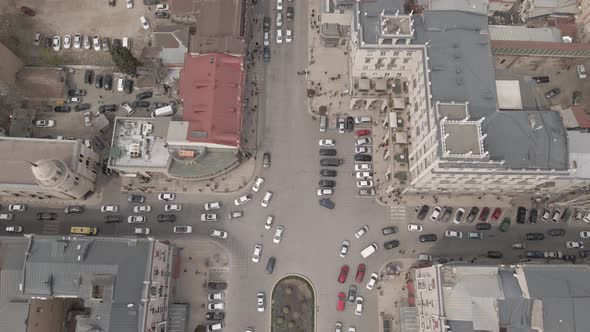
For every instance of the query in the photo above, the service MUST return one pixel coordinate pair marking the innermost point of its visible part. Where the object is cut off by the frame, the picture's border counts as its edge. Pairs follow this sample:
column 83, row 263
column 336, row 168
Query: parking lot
column 92, row 18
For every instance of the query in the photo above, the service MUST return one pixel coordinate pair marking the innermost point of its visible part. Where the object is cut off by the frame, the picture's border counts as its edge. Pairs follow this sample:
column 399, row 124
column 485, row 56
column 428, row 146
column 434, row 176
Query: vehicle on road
column 266, row 200
column 260, row 301
column 81, row 230
column 534, row 254
column 109, row 208
column 504, row 225
column 362, row 167
column 328, row 172
column 14, row 229
column 215, row 315
column 46, row 216
column 327, row 203
column 142, row 208
column 166, row 218
column 268, row 222
column 45, row 123
column 415, row 228
column 472, row 214
column 343, row 274
column 209, row 217
column 485, row 212
column 6, row 216
column 257, row 253
column 212, row 206
column 552, row 93
column 427, row 238
column 556, row 215
column 446, row 215
column 266, row 160
column 327, row 142
column 166, row 197
column 358, row 309
column 215, row 306
column 270, row 265
column 362, row 157
column 136, row 219
column 533, row 216
column 218, row 234
column 344, row 248
column 341, row 301
column 367, row 192
column 138, row 231
column 327, row 183
column 182, row 229
column 389, row 230
column 112, row 219
column 257, row 184
column 546, row 215
column 534, row 236
column 553, row 254
column 172, row 207
column 372, row 280
column 331, row 162
column 453, row 234
column 364, row 184
column 236, row 214
column 242, row 199
column 585, row 234
column 459, row 215
column 391, row 244
column 74, row 209
column 278, row 234
column 145, row 24
column 369, row 250
column 521, row 215
column 364, row 175
column 574, row 244
column 556, row 232
column 518, row 245
column 17, row 207
column 360, row 273
column 136, row 198
column 361, row 231
column 435, row 213
column 494, row 254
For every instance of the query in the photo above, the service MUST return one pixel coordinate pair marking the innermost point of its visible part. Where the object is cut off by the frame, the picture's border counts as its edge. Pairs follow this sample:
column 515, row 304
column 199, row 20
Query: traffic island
column 293, row 305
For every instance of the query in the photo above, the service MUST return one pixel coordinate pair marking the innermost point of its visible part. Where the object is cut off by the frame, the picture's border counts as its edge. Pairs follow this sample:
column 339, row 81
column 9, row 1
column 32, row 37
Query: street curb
column 315, row 297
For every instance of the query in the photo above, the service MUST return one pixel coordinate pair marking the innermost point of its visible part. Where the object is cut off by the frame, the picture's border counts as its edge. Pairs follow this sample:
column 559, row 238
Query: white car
column 209, row 217
column 362, row 119
column 361, row 231
column 358, row 309
column 142, row 208
column 257, row 253
column 279, row 4
column 14, row 229
column 120, row 84
column 574, row 244
column 257, row 184
column 17, row 207
column 45, row 123
column 172, row 207
column 279, row 20
column 109, row 208
column 77, row 41
column 67, row 42
column 584, row 234
column 87, row 119
column 162, row 6
column 266, row 40
column 141, row 231
column 260, row 301
column 278, row 234
column 86, row 42
column 268, row 222
column 344, row 248
column 96, row 43
column 212, row 206
column 364, row 184
column 327, row 142
column 453, row 234
column 289, row 35
column 37, row 39
column 325, row 191
column 166, row 197
column 352, row 329
column 362, row 167
column 415, row 228
column 129, row 4
column 144, row 23
column 279, row 36
column 372, row 281
column 362, row 149
column 243, row 199
column 215, row 306
column 218, row 234
column 136, row 219
column 216, row 296
column 182, row 229
column 435, row 213
column 266, row 199
column 362, row 141
column 56, row 43
column 364, row 175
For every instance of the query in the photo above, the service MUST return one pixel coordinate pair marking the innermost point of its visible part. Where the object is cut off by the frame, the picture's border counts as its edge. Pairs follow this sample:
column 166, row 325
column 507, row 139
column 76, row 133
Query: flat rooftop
column 396, row 25
column 140, row 143
column 456, row 112
column 462, row 138
column 16, row 153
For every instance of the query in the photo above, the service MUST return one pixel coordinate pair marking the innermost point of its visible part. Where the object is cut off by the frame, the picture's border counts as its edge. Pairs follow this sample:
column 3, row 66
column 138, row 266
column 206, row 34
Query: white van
column 323, row 123
column 126, row 42
column 581, row 70
column 368, row 251
column 163, row 111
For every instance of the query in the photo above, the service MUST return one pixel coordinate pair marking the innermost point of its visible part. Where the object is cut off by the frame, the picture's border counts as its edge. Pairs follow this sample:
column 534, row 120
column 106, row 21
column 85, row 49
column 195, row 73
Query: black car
column 533, row 254
column 483, row 226
column 328, row 152
column 327, row 184
column 534, row 236
column 88, row 76
column 362, row 157
column 46, row 216
column 98, row 82
column 140, row 103
column 331, row 162
column 48, row 42
column 107, row 108
column 427, row 238
column 108, row 82
column 128, row 87
column 327, row 203
column 266, row 24
column 423, row 212
column 74, row 209
column 266, row 160
column 351, row 293
column 62, row 109
column 494, row 254
column 158, row 104
column 533, row 216
column 328, row 172
column 472, row 214
column 161, row 14
column 112, row 219
column 117, row 42
column 521, row 215
column 166, row 218
column 144, row 95
column 290, row 13
column 270, row 265
column 446, row 215
column 389, row 230
column 217, row 285
column 350, row 123
column 391, row 244
column 541, row 79
column 556, row 232
column 82, row 107
column 552, row 93
column 136, row 198
column 215, row 315
column 266, row 54
column 569, row 258
column 77, row 93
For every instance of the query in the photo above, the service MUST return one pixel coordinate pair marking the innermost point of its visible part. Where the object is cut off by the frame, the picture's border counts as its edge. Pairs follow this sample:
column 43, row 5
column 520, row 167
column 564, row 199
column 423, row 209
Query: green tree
column 124, row 60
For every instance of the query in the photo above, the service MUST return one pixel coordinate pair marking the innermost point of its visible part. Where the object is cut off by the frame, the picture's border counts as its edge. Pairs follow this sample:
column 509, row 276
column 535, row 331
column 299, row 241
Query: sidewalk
column 393, row 294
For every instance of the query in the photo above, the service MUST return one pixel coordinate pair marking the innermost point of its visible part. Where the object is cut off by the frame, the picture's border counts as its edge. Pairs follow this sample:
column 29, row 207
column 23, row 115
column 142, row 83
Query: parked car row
column 326, row 186
column 78, row 41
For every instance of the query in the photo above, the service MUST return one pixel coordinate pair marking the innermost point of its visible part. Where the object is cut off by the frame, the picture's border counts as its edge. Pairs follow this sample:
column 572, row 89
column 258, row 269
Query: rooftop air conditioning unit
column 134, row 150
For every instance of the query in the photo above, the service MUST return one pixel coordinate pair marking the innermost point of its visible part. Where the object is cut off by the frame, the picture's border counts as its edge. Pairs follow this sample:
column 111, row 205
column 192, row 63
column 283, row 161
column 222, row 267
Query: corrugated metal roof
column 178, row 315
column 13, row 316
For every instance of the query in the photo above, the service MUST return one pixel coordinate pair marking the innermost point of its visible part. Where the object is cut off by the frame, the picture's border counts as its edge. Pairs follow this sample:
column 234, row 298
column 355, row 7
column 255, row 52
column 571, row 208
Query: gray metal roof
column 13, row 305
column 578, row 152
column 369, row 16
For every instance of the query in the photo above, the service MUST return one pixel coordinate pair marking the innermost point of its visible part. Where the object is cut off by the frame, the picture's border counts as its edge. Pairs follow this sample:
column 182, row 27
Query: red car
column 496, row 215
column 360, row 273
column 341, row 301
column 343, row 274
column 363, row 132
column 27, row 11
column 485, row 212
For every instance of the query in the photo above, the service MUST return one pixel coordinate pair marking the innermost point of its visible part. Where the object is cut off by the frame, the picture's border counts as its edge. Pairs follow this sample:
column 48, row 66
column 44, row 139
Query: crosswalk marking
column 50, row 228
column 398, row 214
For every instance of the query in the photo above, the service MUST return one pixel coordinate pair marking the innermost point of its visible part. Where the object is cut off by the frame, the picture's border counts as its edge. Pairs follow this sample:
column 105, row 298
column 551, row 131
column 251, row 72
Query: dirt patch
column 293, row 305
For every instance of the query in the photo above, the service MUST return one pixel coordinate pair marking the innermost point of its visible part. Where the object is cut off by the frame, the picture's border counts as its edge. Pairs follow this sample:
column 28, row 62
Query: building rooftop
column 171, row 43
column 16, row 153
column 522, row 32
column 211, row 87
column 140, row 143
column 579, row 154
column 461, row 138
column 369, row 17
column 509, row 97
column 474, row 6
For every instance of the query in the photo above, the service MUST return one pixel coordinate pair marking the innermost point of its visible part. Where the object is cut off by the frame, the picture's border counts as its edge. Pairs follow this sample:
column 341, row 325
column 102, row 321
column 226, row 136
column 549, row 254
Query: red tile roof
column 581, row 117
column 211, row 86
